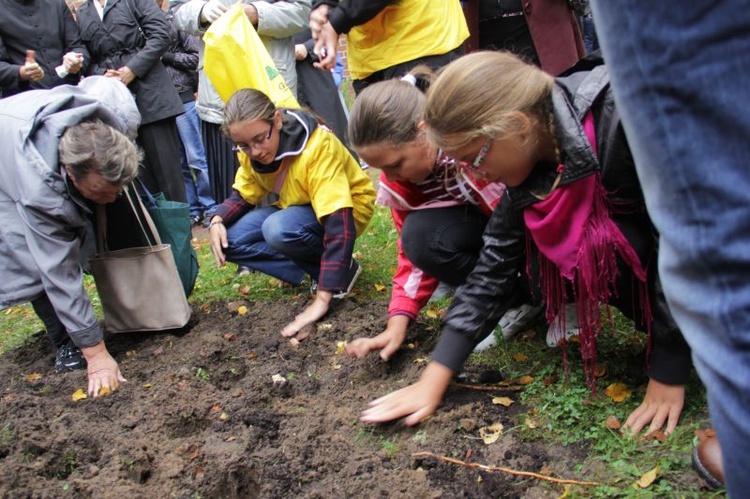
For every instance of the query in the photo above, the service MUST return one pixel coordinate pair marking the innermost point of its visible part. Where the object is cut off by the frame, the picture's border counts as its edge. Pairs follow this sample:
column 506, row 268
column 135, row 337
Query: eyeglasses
column 475, row 165
column 256, row 142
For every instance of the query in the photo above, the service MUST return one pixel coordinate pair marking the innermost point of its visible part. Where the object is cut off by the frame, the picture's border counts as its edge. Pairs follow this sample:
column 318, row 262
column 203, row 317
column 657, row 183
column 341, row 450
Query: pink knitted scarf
column 578, row 244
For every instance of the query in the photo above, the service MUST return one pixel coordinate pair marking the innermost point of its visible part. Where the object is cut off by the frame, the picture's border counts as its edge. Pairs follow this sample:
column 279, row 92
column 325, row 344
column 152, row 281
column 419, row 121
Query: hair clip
column 411, row 79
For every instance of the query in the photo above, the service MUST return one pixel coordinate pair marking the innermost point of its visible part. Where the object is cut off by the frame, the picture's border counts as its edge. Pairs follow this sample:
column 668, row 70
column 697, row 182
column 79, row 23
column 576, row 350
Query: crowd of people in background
column 530, row 177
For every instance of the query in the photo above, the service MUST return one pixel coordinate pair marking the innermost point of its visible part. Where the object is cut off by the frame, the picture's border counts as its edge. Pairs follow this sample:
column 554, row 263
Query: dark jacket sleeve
column 338, row 243
column 8, row 71
column 232, row 208
column 346, row 14
column 669, row 358
column 489, row 291
column 185, row 53
column 154, row 24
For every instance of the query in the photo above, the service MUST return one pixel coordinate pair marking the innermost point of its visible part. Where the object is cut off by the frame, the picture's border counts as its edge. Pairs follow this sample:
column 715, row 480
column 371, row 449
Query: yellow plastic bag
column 236, row 58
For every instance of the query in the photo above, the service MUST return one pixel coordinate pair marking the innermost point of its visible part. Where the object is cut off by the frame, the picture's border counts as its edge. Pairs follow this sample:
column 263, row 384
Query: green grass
column 563, row 410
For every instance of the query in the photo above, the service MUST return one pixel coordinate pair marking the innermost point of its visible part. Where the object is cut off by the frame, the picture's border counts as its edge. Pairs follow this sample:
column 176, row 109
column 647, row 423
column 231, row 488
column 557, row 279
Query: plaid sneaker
column 69, row 358
column 354, row 271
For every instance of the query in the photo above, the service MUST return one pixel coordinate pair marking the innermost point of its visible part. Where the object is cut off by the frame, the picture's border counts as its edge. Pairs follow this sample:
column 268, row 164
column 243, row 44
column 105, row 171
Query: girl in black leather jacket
column 573, row 216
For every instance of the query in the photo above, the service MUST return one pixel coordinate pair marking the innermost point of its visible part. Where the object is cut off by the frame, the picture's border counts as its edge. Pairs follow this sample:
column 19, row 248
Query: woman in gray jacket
column 65, row 149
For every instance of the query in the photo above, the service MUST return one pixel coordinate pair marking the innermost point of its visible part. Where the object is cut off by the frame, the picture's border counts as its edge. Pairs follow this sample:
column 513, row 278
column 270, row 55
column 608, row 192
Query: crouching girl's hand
column 387, row 342
column 415, row 402
column 316, row 310
column 662, row 404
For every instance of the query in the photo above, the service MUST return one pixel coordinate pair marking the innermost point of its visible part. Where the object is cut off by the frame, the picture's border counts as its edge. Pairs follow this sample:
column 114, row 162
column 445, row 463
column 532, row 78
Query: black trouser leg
column 55, row 330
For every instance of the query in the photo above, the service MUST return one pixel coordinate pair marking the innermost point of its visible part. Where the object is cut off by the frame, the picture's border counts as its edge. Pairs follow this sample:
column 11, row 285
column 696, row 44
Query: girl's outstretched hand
column 415, row 402
column 387, row 342
column 316, row 310
column 662, row 404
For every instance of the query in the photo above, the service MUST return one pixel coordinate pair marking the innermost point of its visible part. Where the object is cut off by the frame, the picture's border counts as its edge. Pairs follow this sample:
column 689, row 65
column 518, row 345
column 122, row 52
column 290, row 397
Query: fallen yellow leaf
column 647, row 478
column 506, row 401
column 379, row 287
column 224, row 416
column 525, row 380
column 33, row 377
column 530, row 423
column 421, row 360
column 147, row 385
column 520, row 357
column 79, row 395
column 104, row 391
column 617, row 392
column 340, row 347
column 491, row 433
column 241, row 310
column 431, row 314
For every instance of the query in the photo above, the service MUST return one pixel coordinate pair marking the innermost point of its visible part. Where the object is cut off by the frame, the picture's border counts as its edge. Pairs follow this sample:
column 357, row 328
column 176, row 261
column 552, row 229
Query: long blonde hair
column 480, row 95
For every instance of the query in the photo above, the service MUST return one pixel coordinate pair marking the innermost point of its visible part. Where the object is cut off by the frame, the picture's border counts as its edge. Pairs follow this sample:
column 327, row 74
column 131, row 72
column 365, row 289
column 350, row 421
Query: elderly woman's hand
column 103, row 371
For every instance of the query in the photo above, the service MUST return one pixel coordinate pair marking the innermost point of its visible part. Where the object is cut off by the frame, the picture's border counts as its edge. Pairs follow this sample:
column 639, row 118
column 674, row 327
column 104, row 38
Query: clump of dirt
column 227, row 408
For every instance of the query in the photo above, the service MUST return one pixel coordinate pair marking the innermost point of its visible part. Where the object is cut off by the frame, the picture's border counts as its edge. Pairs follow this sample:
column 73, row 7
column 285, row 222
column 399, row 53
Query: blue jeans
column 286, row 244
column 681, row 77
column 193, row 161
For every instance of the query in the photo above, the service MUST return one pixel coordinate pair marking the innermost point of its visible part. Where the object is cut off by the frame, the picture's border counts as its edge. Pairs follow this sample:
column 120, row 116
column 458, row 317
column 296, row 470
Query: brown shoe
column 707, row 459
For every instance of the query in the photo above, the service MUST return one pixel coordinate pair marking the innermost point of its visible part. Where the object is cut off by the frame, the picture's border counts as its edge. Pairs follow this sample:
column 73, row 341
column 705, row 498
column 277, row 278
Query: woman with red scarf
column 572, row 216
column 439, row 211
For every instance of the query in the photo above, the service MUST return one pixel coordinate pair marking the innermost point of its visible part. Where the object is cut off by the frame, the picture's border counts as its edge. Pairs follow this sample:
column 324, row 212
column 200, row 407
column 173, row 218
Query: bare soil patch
column 201, row 416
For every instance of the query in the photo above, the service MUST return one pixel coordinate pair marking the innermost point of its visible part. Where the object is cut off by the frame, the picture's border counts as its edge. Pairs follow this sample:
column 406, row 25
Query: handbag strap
column 101, row 223
column 131, row 10
column 281, row 177
column 146, row 217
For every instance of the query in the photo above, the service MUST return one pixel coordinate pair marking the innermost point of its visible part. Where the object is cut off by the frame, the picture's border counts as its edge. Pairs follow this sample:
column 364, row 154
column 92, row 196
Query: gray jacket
column 278, row 21
column 42, row 220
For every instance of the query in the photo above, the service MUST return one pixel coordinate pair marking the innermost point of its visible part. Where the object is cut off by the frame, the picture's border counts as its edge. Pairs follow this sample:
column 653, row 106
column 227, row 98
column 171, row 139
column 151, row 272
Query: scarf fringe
column 593, row 283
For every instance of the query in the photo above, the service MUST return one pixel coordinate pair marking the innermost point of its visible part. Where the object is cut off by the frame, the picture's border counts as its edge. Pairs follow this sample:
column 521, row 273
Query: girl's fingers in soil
column 359, row 348
column 290, row 330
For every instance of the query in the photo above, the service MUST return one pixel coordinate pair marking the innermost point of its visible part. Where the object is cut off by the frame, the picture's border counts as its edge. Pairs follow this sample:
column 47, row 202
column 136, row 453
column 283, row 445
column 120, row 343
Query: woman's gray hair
column 96, row 146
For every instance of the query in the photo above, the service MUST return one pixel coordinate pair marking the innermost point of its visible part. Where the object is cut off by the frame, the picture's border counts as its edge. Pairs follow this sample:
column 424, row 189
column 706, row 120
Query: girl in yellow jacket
column 299, row 201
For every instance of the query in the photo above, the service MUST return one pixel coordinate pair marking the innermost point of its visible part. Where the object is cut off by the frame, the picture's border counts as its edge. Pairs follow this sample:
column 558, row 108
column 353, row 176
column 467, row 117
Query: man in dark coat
column 126, row 40
column 47, row 28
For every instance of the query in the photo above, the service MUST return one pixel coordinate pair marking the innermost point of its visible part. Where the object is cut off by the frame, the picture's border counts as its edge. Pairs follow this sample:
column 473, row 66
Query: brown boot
column 707, row 459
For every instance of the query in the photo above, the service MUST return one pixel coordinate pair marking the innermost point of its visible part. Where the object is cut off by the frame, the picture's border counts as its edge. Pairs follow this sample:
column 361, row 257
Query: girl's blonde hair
column 480, row 95
column 389, row 111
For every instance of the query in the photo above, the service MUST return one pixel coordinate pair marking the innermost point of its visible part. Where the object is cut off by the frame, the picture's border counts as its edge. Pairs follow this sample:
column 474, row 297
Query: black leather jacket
column 494, row 284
